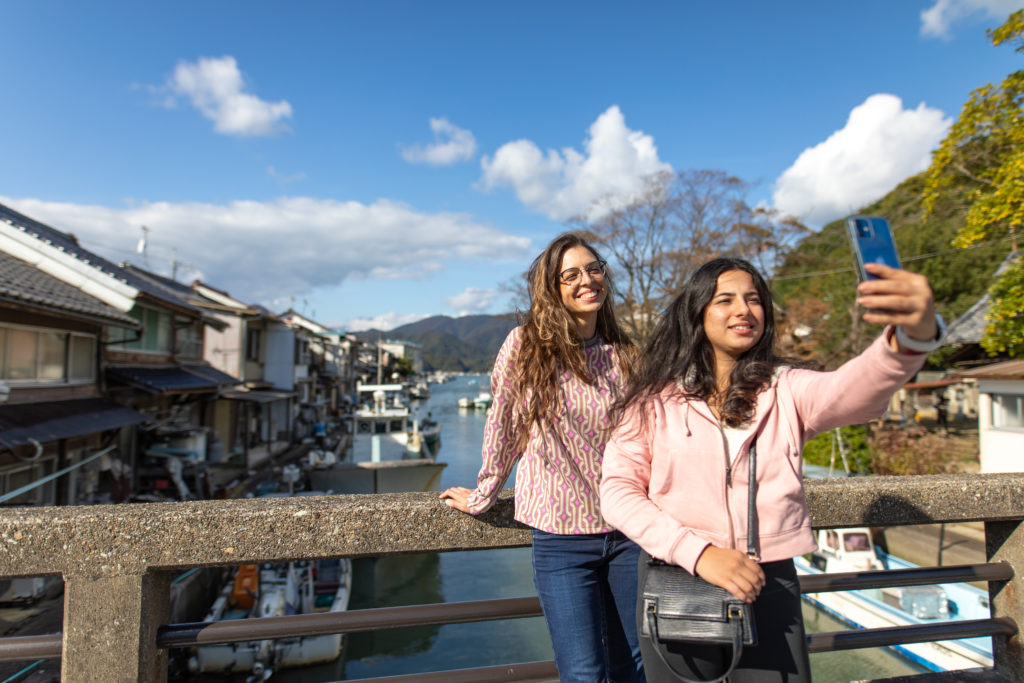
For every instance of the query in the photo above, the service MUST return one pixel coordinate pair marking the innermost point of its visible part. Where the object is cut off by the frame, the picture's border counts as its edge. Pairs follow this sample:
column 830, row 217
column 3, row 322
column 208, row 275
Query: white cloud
column 216, row 88
column 451, row 144
column 262, row 251
column 474, row 300
column 937, row 19
column 385, row 321
column 881, row 144
column 285, row 179
column 567, row 183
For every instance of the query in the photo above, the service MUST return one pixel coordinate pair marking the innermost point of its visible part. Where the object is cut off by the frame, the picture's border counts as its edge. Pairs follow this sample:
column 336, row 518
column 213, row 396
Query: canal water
column 488, row 574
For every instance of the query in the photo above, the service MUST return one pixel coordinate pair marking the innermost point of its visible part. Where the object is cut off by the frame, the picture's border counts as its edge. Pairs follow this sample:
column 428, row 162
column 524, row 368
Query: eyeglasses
column 595, row 269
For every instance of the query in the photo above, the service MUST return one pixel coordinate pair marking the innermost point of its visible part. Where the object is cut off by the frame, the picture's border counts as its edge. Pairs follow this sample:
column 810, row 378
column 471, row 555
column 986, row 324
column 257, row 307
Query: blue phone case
column 872, row 242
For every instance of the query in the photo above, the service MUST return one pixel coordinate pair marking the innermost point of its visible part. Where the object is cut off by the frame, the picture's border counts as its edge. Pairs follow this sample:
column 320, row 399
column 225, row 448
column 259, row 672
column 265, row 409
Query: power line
column 919, row 257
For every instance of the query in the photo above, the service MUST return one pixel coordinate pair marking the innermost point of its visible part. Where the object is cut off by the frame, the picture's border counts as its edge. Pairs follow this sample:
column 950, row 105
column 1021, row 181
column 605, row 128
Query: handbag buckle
column 735, row 612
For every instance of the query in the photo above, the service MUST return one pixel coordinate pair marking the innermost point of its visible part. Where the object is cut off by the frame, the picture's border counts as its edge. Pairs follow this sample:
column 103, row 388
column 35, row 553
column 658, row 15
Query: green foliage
column 983, row 158
column 821, row 268
column 1005, row 331
column 819, row 450
column 915, row 450
column 403, row 366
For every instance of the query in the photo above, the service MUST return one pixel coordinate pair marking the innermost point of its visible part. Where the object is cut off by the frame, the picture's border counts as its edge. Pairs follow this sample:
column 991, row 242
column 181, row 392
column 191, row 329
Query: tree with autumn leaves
column 984, row 155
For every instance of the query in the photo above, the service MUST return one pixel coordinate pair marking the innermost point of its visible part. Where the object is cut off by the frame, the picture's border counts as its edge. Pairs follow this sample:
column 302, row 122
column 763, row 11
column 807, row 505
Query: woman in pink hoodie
column 709, row 385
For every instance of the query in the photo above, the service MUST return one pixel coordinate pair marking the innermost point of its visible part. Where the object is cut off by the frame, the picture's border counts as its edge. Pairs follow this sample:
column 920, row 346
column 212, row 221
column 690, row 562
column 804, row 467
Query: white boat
column 275, row 590
column 387, row 453
column 420, row 390
column 481, row 401
column 853, row 550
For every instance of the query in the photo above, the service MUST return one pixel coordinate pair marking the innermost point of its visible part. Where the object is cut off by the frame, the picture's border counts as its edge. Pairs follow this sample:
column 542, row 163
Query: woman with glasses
column 554, row 380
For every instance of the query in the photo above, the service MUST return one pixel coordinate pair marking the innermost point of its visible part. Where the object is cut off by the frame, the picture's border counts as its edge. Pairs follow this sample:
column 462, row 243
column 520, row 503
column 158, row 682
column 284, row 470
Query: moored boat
column 853, row 550
column 275, row 590
column 388, row 453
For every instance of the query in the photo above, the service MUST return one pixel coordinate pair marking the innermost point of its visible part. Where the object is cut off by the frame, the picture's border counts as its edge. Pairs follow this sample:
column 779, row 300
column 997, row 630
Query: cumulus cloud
column 567, row 183
column 474, row 300
column 451, row 144
column 385, row 321
column 216, row 87
column 261, row 251
column 937, row 19
column 881, row 144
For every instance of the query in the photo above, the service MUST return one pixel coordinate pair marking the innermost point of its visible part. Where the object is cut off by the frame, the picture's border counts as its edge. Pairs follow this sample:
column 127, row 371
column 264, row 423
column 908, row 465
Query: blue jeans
column 587, row 589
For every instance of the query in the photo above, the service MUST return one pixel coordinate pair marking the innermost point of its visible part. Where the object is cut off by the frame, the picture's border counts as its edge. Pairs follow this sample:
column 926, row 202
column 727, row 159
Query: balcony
column 117, row 560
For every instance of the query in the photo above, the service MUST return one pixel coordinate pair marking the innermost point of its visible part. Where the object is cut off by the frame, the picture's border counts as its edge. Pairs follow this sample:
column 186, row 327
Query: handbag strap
column 737, row 650
column 751, row 503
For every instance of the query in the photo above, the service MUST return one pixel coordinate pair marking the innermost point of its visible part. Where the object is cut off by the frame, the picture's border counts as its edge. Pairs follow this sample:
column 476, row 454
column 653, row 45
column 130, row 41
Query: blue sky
column 378, row 162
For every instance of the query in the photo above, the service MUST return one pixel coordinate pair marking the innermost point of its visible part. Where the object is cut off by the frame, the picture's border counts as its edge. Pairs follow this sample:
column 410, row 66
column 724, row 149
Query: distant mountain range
column 466, row 344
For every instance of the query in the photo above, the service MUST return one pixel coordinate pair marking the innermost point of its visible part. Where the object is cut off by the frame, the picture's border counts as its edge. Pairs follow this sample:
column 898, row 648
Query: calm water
column 481, row 575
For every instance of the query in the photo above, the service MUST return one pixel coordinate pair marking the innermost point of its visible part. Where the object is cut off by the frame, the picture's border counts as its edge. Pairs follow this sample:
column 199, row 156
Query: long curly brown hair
column 550, row 341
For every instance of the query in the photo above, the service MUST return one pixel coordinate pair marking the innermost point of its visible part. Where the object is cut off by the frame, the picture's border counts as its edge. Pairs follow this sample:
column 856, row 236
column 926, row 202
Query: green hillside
column 816, row 284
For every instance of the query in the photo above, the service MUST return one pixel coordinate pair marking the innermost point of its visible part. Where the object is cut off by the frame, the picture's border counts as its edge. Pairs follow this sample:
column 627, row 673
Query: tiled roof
column 969, row 328
column 23, row 283
column 69, row 245
column 1011, row 369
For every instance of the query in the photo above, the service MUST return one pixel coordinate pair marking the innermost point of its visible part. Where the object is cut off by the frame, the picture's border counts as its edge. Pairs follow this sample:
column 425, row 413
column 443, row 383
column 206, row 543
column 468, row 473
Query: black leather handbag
column 682, row 608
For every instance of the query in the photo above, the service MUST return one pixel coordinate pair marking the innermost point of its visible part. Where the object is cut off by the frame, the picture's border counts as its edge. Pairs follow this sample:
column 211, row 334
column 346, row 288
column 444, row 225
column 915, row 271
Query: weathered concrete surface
column 1004, row 541
column 894, row 501
column 110, row 540
column 110, row 629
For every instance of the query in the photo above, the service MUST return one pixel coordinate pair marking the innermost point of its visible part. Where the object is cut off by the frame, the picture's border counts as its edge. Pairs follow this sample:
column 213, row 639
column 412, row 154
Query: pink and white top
column 560, row 470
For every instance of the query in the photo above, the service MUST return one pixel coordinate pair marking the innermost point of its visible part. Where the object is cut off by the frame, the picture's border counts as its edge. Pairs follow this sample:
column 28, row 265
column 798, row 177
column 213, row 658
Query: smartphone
column 871, row 239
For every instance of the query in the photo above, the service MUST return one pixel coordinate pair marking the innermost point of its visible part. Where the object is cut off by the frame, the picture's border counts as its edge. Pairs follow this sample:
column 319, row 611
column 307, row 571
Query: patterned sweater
column 560, row 470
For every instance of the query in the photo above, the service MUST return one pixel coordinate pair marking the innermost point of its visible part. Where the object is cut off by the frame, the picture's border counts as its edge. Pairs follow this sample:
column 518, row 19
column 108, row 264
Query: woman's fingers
column 899, row 297
column 456, row 497
column 731, row 570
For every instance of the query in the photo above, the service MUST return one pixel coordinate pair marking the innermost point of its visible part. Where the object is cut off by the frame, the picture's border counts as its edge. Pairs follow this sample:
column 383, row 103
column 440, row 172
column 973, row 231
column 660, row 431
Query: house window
column 156, row 331
column 44, row 356
column 190, row 340
column 301, row 352
column 13, row 478
column 252, row 344
column 1008, row 411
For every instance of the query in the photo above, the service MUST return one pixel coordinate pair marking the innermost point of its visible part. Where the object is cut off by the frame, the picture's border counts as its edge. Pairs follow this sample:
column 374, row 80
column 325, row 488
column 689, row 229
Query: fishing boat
column 387, row 453
column 853, row 550
column 419, row 391
column 275, row 590
column 430, row 433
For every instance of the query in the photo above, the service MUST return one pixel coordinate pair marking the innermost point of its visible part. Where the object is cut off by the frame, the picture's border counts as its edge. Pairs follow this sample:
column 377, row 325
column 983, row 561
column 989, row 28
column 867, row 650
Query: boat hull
column 392, row 476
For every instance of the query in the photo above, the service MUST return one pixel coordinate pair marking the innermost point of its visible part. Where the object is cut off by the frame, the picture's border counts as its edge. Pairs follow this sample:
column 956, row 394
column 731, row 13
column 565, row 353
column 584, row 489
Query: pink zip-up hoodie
column 671, row 489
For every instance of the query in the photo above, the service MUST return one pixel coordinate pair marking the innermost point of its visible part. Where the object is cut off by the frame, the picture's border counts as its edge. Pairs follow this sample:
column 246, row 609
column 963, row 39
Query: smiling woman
column 553, row 383
column 709, row 392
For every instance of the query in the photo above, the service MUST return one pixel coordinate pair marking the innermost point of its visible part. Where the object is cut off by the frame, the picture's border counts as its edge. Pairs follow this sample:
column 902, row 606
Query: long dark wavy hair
column 679, row 350
column 550, row 342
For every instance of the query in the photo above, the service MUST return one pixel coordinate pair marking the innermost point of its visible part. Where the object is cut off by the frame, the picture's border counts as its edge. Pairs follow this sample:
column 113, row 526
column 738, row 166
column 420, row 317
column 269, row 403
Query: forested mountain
column 465, row 344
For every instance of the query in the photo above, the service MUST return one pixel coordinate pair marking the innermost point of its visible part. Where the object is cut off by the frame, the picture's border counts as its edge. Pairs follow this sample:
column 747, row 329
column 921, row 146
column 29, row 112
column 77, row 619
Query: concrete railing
column 117, row 560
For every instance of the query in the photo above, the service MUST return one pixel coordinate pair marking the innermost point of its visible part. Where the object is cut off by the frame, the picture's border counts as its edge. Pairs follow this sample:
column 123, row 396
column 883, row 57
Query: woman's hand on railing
column 457, row 497
column 731, row 570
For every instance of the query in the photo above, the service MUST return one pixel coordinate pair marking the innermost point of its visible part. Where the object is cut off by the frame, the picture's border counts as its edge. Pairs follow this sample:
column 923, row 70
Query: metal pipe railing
column 913, row 633
column 891, row 578
column 242, row 630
